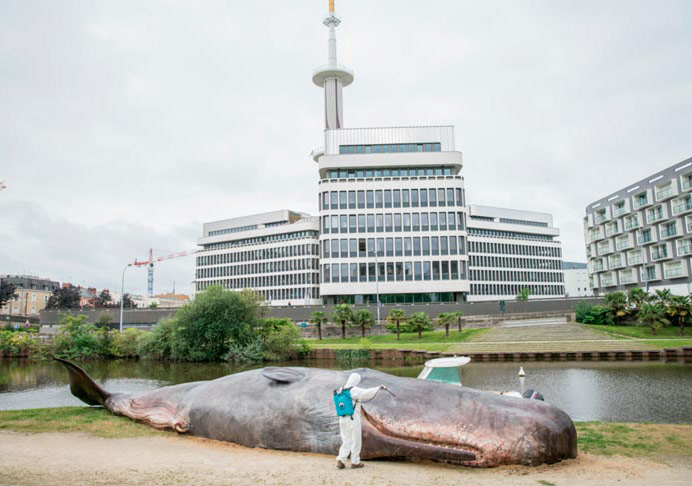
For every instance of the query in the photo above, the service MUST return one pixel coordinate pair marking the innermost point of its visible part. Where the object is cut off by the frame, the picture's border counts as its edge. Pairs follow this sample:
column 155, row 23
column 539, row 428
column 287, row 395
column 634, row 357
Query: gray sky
column 124, row 125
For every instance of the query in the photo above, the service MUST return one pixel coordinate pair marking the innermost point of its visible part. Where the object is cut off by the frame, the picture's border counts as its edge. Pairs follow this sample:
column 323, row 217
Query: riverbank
column 92, row 446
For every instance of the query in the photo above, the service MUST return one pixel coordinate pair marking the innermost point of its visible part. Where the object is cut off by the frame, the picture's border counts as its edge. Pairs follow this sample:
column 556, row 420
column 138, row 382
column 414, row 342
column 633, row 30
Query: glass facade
column 389, row 148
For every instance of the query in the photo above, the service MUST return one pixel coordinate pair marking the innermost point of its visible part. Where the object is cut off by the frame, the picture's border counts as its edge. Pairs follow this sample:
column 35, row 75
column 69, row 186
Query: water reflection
column 650, row 392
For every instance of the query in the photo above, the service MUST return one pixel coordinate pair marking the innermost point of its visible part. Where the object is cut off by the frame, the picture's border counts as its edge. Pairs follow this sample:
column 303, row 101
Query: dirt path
column 64, row 458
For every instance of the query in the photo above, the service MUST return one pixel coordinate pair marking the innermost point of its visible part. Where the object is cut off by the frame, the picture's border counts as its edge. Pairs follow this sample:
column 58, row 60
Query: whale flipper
column 83, row 387
column 283, row 375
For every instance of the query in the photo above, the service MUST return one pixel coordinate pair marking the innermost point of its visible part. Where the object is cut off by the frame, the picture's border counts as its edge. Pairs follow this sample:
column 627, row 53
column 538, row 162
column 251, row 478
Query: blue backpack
column 343, row 402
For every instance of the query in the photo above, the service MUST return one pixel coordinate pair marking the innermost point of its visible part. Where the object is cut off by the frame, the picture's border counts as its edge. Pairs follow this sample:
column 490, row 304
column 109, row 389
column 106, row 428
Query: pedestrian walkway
column 543, row 336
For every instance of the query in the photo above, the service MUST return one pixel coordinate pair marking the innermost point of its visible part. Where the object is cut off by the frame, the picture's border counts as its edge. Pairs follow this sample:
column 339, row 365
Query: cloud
column 124, row 125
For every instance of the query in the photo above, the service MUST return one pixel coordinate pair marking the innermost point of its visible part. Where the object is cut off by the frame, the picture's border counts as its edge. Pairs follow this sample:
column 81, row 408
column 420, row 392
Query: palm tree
column 396, row 316
column 524, row 294
column 420, row 320
column 318, row 317
column 616, row 302
column 362, row 318
column 445, row 319
column 661, row 297
column 635, row 298
column 458, row 315
column 342, row 313
column 652, row 316
column 679, row 307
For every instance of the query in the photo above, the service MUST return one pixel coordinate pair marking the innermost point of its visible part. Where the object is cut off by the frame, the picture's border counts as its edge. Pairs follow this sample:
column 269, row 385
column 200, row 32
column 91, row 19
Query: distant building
column 576, row 279
column 275, row 254
column 641, row 235
column 87, row 297
column 30, row 296
column 510, row 250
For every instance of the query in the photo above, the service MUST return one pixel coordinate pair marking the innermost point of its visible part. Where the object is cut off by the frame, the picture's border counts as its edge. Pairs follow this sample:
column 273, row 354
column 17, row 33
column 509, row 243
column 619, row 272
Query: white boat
column 444, row 370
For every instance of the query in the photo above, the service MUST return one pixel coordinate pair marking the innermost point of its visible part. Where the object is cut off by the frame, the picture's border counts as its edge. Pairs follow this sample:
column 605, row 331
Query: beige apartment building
column 30, row 296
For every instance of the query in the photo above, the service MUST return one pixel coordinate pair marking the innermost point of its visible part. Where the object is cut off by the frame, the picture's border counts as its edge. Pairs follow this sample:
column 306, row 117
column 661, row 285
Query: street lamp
column 122, row 296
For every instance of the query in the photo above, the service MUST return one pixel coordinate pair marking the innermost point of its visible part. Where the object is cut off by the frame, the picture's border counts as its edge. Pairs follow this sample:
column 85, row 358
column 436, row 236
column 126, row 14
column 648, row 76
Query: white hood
column 353, row 380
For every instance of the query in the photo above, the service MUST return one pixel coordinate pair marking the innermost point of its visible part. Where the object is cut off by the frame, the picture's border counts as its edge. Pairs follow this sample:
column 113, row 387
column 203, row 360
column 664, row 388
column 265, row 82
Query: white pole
column 122, row 296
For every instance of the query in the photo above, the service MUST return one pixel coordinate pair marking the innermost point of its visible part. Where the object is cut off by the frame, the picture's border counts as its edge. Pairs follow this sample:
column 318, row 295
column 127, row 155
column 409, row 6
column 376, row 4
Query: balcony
column 665, row 193
column 619, row 211
column 682, row 206
column 631, row 224
column 685, row 248
column 659, row 253
column 655, row 215
column 599, row 218
column 605, row 249
column 596, row 234
column 669, row 232
column 614, row 263
column 623, row 244
column 640, row 200
column 686, row 182
column 677, row 271
column 608, row 281
column 646, row 238
column 635, row 258
column 627, row 277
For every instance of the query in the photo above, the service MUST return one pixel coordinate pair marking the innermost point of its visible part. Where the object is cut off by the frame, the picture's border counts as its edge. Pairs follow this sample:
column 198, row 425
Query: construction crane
column 150, row 263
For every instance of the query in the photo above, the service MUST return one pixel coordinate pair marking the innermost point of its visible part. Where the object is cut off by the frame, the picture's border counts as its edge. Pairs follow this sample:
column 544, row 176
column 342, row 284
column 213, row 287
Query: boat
column 448, row 370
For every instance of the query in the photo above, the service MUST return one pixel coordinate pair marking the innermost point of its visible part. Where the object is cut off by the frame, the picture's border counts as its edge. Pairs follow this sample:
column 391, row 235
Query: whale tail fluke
column 82, row 386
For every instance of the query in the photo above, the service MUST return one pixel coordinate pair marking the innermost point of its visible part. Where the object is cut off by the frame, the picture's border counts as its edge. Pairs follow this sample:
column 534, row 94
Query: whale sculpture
column 292, row 409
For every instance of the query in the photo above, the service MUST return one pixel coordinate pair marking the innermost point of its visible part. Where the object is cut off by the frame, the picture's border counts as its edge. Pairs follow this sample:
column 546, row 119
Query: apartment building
column 30, row 296
column 641, row 235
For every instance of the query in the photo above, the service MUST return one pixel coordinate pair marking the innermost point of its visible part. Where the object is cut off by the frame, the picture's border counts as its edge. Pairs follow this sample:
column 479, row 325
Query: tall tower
column 332, row 77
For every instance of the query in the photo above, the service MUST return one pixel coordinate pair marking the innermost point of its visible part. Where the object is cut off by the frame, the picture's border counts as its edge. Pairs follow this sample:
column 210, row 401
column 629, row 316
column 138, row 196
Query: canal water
column 613, row 391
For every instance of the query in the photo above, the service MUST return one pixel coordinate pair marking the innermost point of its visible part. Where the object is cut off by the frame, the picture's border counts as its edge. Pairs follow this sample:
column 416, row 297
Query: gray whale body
column 292, row 409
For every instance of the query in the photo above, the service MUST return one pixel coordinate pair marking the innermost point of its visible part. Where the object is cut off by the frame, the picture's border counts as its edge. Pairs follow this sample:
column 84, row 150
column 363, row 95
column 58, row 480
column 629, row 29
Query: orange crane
column 150, row 263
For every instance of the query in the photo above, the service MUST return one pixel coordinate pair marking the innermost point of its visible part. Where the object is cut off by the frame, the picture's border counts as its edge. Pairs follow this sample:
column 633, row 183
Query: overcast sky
column 126, row 124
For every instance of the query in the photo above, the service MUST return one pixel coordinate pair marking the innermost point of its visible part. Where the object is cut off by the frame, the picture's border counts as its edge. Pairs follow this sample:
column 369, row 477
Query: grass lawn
column 634, row 440
column 431, row 340
column 95, row 421
column 603, row 438
column 668, row 337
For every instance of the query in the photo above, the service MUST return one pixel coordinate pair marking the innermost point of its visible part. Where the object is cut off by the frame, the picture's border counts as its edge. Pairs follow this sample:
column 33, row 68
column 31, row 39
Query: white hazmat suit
column 350, row 427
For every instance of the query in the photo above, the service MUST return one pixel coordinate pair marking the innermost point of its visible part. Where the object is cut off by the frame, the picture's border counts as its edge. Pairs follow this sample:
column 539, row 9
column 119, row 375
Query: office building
column 391, row 205
column 275, row 254
column 576, row 279
column 510, row 250
column 641, row 235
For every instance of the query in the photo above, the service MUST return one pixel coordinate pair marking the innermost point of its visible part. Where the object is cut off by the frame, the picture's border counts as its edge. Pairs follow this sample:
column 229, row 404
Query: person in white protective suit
column 350, row 426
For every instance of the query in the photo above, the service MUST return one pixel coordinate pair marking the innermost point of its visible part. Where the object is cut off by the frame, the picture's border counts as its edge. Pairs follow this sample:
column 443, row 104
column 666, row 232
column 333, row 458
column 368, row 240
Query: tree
column 396, row 316
column 679, row 308
column 661, row 297
column 318, row 318
column 206, row 328
column 153, row 305
column 524, row 294
column 6, row 292
column 652, row 316
column 362, row 318
column 458, row 315
column 342, row 313
column 103, row 299
column 616, row 302
column 128, row 303
column 445, row 319
column 635, row 297
column 104, row 320
column 65, row 297
column 420, row 320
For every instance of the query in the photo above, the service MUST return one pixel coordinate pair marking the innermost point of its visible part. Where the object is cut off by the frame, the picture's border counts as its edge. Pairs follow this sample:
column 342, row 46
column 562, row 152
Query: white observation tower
column 332, row 77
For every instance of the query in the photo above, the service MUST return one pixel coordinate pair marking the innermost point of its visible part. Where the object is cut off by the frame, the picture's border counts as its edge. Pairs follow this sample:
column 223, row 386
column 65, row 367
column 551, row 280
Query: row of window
column 284, row 280
column 511, row 262
column 393, row 271
column 259, row 254
column 256, row 268
column 418, row 298
column 523, row 222
column 391, row 198
column 509, row 249
column 514, row 276
column 387, row 247
column 298, row 294
column 514, row 289
column 388, row 222
column 389, row 172
column 262, row 239
column 508, row 234
column 390, row 148
column 233, row 230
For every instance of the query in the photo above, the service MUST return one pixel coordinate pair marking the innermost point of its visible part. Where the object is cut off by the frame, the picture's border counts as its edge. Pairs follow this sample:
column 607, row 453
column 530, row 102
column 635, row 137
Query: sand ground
column 68, row 458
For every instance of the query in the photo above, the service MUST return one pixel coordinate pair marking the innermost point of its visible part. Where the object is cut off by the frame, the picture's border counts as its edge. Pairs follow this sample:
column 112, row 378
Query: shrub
column 16, row 343
column 157, row 343
column 279, row 344
column 76, row 339
column 365, row 343
column 582, row 309
column 248, row 353
column 598, row 314
column 216, row 320
column 126, row 343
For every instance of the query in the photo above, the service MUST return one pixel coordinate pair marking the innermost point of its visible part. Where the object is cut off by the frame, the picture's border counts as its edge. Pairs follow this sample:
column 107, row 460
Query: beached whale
column 293, row 409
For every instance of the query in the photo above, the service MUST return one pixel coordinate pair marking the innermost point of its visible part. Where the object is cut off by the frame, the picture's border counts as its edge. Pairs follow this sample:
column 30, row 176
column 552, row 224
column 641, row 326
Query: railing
column 657, row 255
column 667, row 233
column 599, row 218
column 655, row 216
column 687, row 183
column 626, row 279
column 632, row 225
column 598, row 268
column 604, row 249
column 644, row 239
column 620, row 245
column 638, row 203
column 674, row 272
column 686, row 205
column 616, row 263
column 607, row 282
column 685, row 249
column 635, row 260
column 619, row 211
column 649, row 276
column 664, row 193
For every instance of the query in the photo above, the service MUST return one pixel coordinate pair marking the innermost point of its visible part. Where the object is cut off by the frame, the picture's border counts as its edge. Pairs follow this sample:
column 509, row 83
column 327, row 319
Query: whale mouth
column 382, row 441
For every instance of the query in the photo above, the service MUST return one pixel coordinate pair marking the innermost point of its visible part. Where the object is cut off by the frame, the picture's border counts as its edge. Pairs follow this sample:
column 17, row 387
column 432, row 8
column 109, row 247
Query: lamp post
column 122, row 296
column 377, row 285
